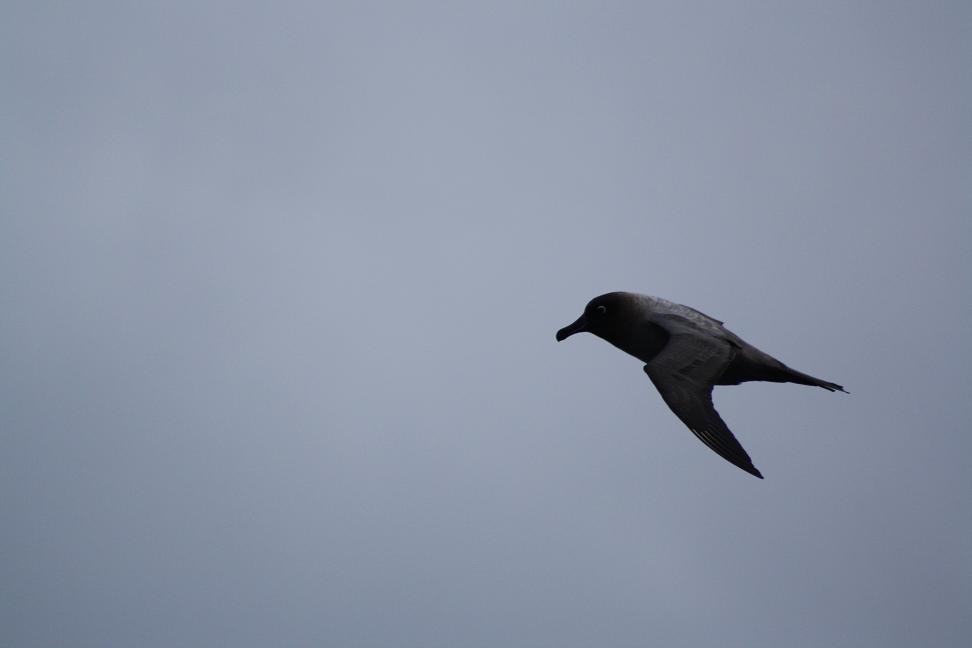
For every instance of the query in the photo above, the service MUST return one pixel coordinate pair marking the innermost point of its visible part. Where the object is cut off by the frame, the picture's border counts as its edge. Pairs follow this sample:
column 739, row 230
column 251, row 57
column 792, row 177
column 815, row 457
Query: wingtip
column 750, row 468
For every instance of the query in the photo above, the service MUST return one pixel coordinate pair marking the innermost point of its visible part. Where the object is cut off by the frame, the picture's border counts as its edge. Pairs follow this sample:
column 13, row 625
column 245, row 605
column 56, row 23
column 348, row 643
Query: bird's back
column 662, row 307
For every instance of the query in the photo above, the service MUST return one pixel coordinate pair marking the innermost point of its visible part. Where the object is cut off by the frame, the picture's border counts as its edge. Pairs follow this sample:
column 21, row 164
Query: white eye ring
column 601, row 308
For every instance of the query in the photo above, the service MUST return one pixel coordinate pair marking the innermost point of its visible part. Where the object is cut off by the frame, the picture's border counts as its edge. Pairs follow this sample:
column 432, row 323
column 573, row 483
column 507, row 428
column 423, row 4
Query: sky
column 279, row 284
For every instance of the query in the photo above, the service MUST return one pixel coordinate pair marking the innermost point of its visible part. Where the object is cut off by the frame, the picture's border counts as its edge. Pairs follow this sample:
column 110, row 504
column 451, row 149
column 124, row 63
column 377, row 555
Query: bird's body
column 686, row 353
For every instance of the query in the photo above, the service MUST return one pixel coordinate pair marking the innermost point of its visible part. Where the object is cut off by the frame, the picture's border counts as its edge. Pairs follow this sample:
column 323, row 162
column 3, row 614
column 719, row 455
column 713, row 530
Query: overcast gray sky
column 279, row 284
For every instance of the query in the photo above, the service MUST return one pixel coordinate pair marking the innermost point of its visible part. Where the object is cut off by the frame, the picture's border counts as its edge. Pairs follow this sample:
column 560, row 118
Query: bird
column 686, row 353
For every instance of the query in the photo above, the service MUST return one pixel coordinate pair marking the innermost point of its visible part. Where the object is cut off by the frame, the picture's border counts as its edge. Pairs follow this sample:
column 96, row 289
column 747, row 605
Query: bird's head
column 606, row 316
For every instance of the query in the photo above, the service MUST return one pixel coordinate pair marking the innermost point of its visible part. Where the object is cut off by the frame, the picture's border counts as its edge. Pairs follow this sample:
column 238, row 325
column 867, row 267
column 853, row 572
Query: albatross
column 686, row 353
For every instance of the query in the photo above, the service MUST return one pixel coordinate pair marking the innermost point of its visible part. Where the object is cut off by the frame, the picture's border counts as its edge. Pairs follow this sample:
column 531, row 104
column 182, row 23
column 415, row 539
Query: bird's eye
column 601, row 309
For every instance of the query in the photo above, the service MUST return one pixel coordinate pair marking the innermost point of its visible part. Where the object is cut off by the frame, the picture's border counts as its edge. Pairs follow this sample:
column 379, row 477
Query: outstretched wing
column 684, row 373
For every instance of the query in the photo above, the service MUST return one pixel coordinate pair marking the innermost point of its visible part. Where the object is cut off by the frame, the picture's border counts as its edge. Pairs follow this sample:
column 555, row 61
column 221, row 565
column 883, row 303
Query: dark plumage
column 686, row 353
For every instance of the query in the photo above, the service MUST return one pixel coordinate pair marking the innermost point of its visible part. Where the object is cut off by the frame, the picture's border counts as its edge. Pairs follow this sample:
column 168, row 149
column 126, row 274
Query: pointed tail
column 794, row 376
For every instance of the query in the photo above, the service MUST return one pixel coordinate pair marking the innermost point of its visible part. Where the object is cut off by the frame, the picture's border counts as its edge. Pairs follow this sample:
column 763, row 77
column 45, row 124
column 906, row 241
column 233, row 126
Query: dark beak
column 577, row 327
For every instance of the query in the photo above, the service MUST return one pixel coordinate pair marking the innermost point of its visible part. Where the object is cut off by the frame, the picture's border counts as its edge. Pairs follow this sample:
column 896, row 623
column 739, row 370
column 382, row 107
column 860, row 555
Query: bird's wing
column 684, row 373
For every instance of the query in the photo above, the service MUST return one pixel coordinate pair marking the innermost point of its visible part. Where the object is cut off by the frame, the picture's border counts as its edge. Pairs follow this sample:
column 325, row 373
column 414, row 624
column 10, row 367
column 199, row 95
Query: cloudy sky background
column 278, row 290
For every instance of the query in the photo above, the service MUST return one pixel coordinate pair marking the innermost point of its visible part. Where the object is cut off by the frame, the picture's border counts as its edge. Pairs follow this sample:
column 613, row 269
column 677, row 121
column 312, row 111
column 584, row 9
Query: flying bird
column 686, row 353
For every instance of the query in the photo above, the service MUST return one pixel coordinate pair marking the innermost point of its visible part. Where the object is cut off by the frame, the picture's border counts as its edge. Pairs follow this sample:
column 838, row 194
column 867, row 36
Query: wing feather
column 684, row 373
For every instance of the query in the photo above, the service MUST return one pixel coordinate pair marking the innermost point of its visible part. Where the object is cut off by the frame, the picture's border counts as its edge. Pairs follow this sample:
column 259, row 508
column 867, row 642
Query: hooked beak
column 577, row 327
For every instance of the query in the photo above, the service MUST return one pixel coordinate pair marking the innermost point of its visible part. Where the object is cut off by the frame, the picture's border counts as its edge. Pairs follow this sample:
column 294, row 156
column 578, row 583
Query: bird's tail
column 794, row 376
